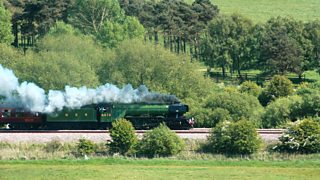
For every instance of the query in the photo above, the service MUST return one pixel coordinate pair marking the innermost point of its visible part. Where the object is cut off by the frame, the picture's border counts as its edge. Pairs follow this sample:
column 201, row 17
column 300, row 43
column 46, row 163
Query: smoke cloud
column 32, row 97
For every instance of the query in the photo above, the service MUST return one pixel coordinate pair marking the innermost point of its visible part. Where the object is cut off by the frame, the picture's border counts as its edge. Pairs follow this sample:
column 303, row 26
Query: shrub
column 276, row 113
column 307, row 106
column 280, row 111
column 234, row 138
column 123, row 137
column 216, row 116
column 251, row 88
column 306, row 88
column 301, row 137
column 160, row 142
column 86, row 147
column 279, row 86
column 53, row 146
column 209, row 118
column 4, row 145
column 231, row 89
column 201, row 116
column 264, row 98
column 310, row 106
column 238, row 105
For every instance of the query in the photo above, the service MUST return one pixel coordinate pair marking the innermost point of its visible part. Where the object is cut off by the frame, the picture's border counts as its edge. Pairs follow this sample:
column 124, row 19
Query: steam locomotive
column 99, row 116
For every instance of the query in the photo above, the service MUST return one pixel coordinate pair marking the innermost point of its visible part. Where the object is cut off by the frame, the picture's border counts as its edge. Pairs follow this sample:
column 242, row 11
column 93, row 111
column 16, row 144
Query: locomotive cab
column 105, row 113
column 178, row 109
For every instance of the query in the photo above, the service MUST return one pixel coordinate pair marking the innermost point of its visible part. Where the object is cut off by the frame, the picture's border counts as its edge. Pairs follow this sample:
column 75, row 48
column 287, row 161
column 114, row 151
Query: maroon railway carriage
column 19, row 117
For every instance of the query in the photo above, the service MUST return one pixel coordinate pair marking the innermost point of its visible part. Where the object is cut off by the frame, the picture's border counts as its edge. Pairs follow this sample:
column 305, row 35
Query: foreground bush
column 123, row 137
column 234, row 138
column 86, row 147
column 53, row 146
column 160, row 142
column 301, row 137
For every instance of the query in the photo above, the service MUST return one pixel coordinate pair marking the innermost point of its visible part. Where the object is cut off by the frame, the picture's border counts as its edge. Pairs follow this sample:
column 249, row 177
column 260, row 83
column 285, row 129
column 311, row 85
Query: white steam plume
column 32, row 97
column 8, row 81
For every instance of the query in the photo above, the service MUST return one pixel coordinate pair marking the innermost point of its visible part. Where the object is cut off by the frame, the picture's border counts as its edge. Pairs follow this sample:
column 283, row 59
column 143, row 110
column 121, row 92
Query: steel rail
column 191, row 131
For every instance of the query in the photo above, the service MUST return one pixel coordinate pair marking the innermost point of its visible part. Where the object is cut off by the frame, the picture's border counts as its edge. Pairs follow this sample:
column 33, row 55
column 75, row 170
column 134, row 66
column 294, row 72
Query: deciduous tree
column 283, row 47
column 105, row 20
column 227, row 44
column 33, row 18
column 5, row 25
column 312, row 33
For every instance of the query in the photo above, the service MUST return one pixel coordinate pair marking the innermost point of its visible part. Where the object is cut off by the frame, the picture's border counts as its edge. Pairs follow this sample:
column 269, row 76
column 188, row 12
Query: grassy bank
column 120, row 168
column 57, row 160
column 56, row 150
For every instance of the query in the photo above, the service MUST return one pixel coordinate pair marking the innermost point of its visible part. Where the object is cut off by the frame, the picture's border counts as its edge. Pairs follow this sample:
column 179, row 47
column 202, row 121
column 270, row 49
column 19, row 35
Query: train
column 98, row 116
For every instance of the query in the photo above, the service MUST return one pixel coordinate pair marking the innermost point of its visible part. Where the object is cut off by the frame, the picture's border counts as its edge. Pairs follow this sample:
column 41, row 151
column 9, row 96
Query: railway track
column 103, row 135
column 191, row 131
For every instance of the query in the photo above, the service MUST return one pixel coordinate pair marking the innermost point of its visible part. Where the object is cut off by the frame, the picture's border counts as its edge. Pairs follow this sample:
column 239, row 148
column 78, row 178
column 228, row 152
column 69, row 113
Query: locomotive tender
column 99, row 116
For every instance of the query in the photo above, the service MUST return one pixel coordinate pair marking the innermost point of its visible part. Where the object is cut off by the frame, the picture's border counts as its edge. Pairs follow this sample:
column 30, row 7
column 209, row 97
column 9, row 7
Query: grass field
column 258, row 77
column 262, row 10
column 119, row 168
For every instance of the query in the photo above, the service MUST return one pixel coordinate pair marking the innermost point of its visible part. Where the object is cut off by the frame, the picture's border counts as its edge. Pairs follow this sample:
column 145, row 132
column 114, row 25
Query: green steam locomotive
column 100, row 116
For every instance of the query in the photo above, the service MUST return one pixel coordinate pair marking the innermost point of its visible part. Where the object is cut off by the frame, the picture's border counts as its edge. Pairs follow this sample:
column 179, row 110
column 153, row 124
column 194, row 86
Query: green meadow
column 120, row 168
column 262, row 10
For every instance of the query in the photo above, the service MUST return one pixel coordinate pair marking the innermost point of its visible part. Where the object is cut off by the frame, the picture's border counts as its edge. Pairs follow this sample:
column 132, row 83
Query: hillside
column 262, row 10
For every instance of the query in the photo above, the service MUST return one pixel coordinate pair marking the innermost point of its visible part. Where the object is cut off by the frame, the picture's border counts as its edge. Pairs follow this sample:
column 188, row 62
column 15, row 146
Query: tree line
column 102, row 19
column 179, row 24
column 279, row 46
column 176, row 23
